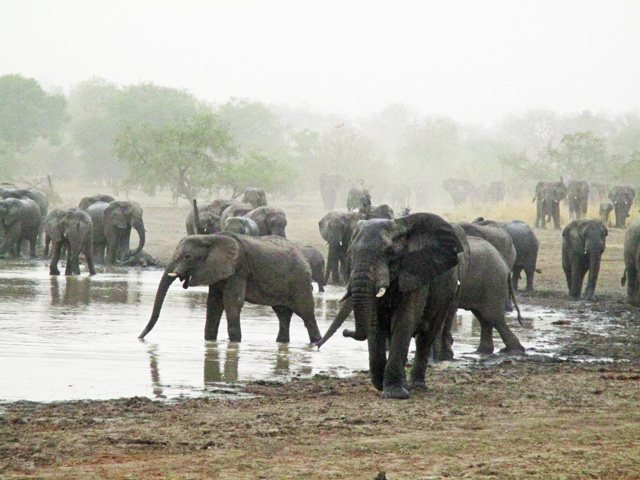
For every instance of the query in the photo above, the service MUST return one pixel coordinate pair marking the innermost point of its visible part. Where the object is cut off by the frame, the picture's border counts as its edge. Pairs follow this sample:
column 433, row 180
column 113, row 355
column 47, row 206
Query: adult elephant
column 357, row 198
column 336, row 229
column 578, row 198
column 85, row 202
column 496, row 236
column 20, row 221
column 329, row 185
column 73, row 229
column 270, row 220
column 460, row 190
column 526, row 245
column 583, row 242
column 315, row 259
column 36, row 195
column 241, row 225
column 621, row 197
column 236, row 210
column 202, row 222
column 547, row 197
column 376, row 211
column 402, row 284
column 256, row 197
column 630, row 277
column 112, row 224
column 227, row 264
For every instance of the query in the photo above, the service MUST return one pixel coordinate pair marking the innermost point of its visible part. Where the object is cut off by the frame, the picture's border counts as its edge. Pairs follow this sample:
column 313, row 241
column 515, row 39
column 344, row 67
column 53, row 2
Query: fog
column 468, row 60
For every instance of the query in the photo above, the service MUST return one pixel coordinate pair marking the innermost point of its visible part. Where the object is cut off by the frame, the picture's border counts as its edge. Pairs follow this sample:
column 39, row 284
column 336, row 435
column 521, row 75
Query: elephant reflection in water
column 155, row 373
column 213, row 359
column 77, row 291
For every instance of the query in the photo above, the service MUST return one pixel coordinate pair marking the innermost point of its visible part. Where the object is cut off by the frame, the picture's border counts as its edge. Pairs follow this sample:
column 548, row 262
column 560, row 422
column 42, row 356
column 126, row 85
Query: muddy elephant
column 112, row 224
column 315, row 259
column 72, row 229
column 20, row 220
column 202, row 222
column 358, row 198
column 270, row 220
column 256, row 197
column 526, row 245
column 583, row 242
column 336, row 229
column 329, row 185
column 461, row 191
column 226, row 263
column 241, row 225
column 622, row 197
column 578, row 198
column 403, row 284
column 548, row 196
column 630, row 278
column 86, row 201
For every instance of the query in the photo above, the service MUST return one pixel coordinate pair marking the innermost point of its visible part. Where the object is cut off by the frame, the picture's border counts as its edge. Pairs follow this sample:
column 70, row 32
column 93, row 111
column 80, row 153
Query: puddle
column 66, row 338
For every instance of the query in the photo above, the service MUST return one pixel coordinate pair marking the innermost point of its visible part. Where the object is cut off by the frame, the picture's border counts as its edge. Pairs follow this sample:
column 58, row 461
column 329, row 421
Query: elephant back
column 96, row 211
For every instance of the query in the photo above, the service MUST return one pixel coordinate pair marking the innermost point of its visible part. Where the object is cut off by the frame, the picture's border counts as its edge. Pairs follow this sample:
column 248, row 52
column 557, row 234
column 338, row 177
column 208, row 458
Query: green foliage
column 189, row 157
column 256, row 169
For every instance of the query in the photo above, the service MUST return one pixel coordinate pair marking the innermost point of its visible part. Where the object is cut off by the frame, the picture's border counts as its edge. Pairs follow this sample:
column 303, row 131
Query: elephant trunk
column 594, row 270
column 341, row 316
column 332, row 271
column 196, row 217
column 163, row 287
column 362, row 286
column 139, row 226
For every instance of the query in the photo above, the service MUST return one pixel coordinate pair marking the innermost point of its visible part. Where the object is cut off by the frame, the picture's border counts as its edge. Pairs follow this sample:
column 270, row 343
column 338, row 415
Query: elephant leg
column 377, row 342
column 306, row 311
column 578, row 272
column 56, row 247
column 32, row 246
column 233, row 300
column 486, row 335
column 215, row 307
column 594, row 270
column 420, row 361
column 284, row 319
column 511, row 342
column 88, row 254
column 515, row 276
column 529, row 272
column 69, row 270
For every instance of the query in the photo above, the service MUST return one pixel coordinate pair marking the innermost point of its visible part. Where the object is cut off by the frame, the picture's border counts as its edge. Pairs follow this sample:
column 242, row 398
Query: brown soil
column 507, row 417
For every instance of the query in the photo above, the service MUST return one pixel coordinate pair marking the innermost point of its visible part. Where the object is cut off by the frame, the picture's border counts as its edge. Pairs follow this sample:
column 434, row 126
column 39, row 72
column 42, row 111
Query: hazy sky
column 472, row 60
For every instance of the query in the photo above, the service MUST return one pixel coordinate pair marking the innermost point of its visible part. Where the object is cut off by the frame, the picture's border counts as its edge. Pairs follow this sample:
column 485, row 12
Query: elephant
column 526, row 244
column 35, row 195
column 357, row 198
column 228, row 264
column 621, row 197
column 583, row 242
column 20, row 220
column 578, row 197
column 270, row 220
column 242, row 225
column 256, row 197
column 605, row 212
column 632, row 263
column 376, row 211
column 496, row 192
column 73, row 229
column 236, row 210
column 460, row 190
column 316, row 262
column 329, row 185
column 497, row 237
column 86, row 201
column 202, row 222
column 403, row 284
column 547, row 197
column 336, row 229
column 112, row 223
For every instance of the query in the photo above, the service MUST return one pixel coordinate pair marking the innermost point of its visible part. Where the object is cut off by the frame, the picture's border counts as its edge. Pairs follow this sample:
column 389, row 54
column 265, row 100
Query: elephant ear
column 220, row 261
column 14, row 213
column 430, row 248
column 323, row 226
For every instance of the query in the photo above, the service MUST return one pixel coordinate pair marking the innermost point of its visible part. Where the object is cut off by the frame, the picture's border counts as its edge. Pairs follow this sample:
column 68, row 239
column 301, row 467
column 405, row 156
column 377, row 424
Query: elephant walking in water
column 73, row 229
column 20, row 220
column 583, row 242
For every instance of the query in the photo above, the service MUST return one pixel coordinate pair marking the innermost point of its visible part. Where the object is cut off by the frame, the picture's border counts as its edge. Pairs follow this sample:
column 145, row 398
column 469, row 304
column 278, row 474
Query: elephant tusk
column 381, row 292
column 173, row 274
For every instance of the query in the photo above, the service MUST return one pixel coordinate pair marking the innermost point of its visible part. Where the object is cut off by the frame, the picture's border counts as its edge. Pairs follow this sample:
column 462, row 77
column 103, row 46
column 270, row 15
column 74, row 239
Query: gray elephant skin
column 237, row 268
column 20, row 220
column 578, row 198
column 315, row 259
column 632, row 263
column 526, row 245
column 112, row 224
column 403, row 284
column 583, row 242
column 236, row 210
column 270, row 220
column 336, row 229
column 241, row 225
column 256, row 197
column 85, row 202
column 622, row 197
column 605, row 212
column 548, row 196
column 202, row 222
column 73, row 229
column 22, row 193
column 459, row 189
column 358, row 197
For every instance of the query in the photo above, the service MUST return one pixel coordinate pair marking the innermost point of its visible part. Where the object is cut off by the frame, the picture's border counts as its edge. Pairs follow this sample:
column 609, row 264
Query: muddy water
column 64, row 338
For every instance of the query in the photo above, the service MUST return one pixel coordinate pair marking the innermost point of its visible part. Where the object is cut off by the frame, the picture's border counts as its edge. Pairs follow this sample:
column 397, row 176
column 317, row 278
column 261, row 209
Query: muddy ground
column 572, row 416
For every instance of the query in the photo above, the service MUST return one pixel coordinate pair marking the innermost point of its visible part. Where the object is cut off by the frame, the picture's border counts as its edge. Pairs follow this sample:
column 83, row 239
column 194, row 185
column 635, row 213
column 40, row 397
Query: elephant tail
column 538, row 270
column 512, row 295
column 341, row 316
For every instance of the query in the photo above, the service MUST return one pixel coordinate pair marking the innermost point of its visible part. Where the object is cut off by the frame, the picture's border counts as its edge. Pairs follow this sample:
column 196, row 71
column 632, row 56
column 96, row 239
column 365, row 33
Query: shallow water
column 64, row 338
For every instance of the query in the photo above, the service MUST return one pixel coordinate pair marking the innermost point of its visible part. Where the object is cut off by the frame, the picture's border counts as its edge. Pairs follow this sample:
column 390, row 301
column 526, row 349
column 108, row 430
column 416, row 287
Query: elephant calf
column 583, row 242
column 73, row 229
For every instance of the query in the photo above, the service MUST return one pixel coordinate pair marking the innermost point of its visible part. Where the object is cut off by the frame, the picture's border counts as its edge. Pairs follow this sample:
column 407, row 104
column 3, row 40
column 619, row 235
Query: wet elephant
column 336, row 229
column 73, row 229
column 241, row 225
column 578, row 198
column 256, row 197
column 630, row 278
column 85, row 202
column 226, row 263
column 316, row 262
column 622, row 197
column 20, row 220
column 202, row 222
column 270, row 220
column 548, row 196
column 583, row 242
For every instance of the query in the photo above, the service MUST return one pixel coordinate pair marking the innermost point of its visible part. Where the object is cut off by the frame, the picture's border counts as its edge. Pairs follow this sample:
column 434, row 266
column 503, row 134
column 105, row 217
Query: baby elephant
column 241, row 225
column 583, row 242
column 71, row 228
column 316, row 262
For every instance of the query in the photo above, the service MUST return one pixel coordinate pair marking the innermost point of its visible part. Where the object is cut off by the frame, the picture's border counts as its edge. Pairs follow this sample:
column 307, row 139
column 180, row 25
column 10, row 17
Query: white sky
column 472, row 60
